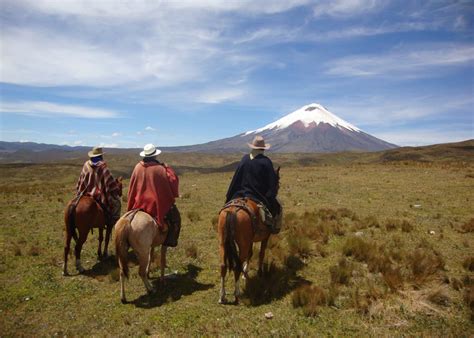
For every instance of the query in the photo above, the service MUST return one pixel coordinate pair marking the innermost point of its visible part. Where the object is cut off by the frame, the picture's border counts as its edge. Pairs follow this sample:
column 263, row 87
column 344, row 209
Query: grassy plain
column 368, row 248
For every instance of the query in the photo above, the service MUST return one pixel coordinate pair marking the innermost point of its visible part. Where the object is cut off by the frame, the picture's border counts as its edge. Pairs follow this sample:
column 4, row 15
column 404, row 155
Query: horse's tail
column 122, row 228
column 232, row 259
column 70, row 220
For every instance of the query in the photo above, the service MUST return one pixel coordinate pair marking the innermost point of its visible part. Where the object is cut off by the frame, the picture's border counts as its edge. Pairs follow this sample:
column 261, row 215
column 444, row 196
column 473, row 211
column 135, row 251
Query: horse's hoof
column 236, row 301
column 81, row 270
column 222, row 301
column 65, row 273
column 124, row 301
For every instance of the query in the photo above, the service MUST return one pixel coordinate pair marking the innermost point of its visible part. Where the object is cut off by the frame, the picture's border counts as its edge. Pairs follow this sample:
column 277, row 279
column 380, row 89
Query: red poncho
column 153, row 188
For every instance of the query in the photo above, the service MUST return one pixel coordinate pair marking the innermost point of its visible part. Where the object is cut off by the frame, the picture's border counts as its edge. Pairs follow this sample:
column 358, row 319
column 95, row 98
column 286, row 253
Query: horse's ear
column 278, row 170
column 120, row 179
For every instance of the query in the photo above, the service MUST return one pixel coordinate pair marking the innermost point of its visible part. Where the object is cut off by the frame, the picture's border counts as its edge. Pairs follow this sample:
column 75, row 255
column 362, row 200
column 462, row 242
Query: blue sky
column 127, row 73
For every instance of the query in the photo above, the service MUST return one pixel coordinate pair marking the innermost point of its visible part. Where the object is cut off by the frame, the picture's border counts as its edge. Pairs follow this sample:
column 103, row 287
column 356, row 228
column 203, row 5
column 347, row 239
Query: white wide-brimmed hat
column 150, row 150
column 96, row 151
column 259, row 143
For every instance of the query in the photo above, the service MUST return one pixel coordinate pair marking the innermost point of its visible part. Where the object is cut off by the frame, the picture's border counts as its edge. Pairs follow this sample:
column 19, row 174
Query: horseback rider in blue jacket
column 255, row 178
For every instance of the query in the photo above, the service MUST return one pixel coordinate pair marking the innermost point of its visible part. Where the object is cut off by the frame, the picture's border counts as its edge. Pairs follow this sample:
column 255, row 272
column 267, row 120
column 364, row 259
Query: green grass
column 415, row 279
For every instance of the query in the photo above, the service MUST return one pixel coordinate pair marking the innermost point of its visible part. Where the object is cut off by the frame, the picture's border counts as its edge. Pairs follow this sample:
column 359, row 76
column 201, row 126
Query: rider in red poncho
column 153, row 186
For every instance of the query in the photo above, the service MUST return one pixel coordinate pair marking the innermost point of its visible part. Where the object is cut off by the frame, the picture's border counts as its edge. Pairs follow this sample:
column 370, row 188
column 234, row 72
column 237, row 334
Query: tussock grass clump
column 370, row 222
column 359, row 248
column 194, row 216
column 34, row 251
column 299, row 245
column 468, row 226
column 17, row 250
column 274, row 283
column 424, row 262
column 439, row 296
column 309, row 298
column 392, row 224
column 406, row 226
column 468, row 263
column 191, row 251
column 469, row 299
column 393, row 278
column 456, row 284
column 342, row 272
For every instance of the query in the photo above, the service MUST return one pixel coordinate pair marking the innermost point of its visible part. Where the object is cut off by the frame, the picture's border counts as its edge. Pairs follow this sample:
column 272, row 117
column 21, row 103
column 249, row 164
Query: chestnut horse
column 242, row 225
column 138, row 230
column 84, row 215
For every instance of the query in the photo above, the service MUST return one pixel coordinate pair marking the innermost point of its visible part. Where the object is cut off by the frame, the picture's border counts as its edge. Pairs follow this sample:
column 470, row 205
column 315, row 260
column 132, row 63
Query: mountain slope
column 312, row 128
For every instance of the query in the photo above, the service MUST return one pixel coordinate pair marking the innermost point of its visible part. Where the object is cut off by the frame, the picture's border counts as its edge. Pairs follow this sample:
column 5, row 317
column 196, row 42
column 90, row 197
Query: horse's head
column 120, row 185
column 277, row 172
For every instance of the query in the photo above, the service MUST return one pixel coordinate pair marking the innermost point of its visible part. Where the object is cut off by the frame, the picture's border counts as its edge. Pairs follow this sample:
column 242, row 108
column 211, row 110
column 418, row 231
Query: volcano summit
column 310, row 129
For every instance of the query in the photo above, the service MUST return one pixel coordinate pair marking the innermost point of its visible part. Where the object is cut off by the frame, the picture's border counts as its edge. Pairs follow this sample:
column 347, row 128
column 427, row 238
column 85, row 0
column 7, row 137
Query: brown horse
column 86, row 215
column 138, row 230
column 241, row 225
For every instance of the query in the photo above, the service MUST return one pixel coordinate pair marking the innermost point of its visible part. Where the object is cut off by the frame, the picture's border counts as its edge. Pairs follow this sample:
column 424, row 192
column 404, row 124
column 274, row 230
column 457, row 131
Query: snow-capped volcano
column 310, row 129
column 310, row 115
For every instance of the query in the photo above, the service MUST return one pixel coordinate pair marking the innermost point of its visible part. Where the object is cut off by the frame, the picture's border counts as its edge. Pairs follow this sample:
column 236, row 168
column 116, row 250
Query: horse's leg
column 101, row 239
column 66, row 252
column 123, row 299
column 108, row 232
column 143, row 256
column 77, row 250
column 261, row 256
column 163, row 263
column 245, row 267
column 150, row 260
column 222, row 299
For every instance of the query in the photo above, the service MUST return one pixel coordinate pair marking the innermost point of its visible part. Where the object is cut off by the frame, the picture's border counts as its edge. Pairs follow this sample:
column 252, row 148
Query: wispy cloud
column 48, row 109
column 410, row 62
column 219, row 95
column 148, row 128
column 420, row 136
column 343, row 8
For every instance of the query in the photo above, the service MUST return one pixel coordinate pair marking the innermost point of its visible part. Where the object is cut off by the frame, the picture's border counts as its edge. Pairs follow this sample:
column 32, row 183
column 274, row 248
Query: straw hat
column 259, row 143
column 96, row 151
column 150, row 150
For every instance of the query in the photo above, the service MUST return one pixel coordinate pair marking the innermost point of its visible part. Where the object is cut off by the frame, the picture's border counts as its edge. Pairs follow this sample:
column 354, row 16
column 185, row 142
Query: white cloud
column 116, row 134
column 219, row 95
column 396, row 64
column 424, row 136
column 148, row 128
column 342, row 8
column 39, row 108
column 108, row 145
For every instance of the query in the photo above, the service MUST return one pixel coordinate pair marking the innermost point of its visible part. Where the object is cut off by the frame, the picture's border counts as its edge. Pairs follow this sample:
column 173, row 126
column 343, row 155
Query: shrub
column 194, row 216
column 191, row 251
column 309, row 298
column 424, row 263
column 406, row 226
column 392, row 224
column 393, row 278
column 468, row 226
column 342, row 272
column 468, row 263
column 439, row 296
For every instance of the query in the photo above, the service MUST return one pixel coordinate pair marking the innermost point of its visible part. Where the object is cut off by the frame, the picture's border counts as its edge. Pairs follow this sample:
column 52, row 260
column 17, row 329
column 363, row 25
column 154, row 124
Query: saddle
column 273, row 223
column 173, row 218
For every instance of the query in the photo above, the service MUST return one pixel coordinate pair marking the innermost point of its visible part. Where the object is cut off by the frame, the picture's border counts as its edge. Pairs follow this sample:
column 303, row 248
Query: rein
column 241, row 204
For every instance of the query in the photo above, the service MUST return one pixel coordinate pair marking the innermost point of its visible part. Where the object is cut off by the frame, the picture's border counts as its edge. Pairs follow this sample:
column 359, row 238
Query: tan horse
column 138, row 230
column 83, row 214
column 237, row 229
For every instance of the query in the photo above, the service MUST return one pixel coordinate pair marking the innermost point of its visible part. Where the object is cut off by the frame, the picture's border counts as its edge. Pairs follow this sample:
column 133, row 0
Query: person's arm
column 110, row 183
column 272, row 181
column 173, row 180
column 131, row 191
column 80, row 180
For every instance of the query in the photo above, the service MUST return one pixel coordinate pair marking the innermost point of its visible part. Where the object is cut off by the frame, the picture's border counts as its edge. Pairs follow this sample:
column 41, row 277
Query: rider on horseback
column 153, row 189
column 97, row 181
column 256, row 179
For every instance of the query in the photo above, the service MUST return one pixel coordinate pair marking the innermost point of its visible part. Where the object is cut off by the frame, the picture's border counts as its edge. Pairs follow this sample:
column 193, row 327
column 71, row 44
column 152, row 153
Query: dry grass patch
column 468, row 226
column 191, row 251
column 440, row 296
column 342, row 272
column 468, row 263
column 424, row 263
column 309, row 298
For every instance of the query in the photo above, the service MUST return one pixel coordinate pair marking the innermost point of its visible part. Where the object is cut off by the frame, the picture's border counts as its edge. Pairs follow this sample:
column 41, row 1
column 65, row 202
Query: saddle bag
column 173, row 218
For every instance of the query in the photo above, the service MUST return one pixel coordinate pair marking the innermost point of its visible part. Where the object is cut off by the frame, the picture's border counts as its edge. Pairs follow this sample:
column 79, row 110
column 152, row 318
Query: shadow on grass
column 108, row 265
column 176, row 286
column 275, row 283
